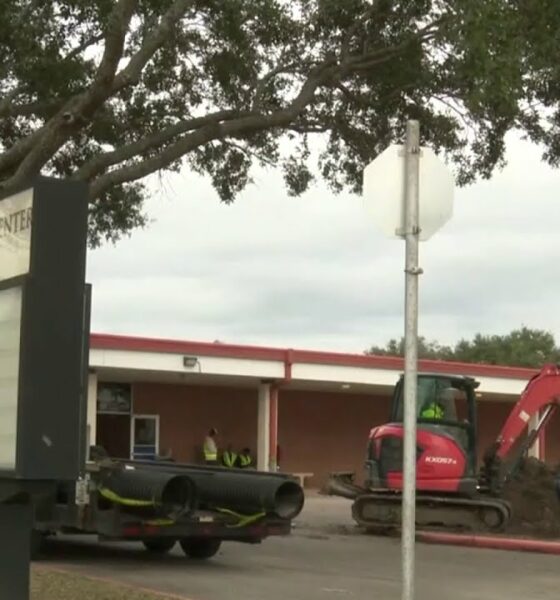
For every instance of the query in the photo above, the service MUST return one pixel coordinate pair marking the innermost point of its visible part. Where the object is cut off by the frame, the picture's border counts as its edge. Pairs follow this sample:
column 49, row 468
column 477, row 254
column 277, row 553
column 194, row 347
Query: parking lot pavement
column 325, row 557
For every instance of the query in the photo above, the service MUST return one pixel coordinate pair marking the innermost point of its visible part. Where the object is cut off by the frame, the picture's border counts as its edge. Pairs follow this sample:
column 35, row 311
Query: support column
column 91, row 410
column 535, row 451
column 263, row 423
column 273, row 461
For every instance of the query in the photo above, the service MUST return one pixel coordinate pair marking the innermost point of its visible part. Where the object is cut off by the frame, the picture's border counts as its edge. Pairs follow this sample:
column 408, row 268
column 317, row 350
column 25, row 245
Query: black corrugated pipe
column 240, row 491
column 164, row 493
column 179, row 467
column 245, row 491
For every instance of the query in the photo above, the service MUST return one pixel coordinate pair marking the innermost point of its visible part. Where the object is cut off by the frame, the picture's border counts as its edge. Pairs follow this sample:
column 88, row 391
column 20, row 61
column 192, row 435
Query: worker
column 229, row 457
column 210, row 448
column 432, row 410
column 245, row 460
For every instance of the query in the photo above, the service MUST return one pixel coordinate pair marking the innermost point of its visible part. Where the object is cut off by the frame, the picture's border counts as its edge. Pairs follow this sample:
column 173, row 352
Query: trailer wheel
column 158, row 545
column 200, row 548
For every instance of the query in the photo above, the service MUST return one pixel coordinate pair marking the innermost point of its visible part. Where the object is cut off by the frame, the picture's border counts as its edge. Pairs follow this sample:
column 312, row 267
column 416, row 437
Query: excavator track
column 382, row 511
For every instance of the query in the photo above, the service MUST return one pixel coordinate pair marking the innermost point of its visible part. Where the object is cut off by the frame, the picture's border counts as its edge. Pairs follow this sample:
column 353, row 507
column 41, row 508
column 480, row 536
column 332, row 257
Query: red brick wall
column 491, row 417
column 323, row 432
column 188, row 412
column 317, row 432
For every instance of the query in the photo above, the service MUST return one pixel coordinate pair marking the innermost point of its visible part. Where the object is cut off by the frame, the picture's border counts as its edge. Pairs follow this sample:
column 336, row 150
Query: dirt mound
column 534, row 499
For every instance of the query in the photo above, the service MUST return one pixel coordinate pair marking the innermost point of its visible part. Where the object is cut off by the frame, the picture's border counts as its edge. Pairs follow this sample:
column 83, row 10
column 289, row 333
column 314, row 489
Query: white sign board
column 15, row 234
column 10, row 325
column 383, row 191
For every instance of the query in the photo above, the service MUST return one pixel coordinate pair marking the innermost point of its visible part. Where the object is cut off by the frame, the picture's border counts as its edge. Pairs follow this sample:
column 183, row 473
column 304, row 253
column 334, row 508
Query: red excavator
column 451, row 491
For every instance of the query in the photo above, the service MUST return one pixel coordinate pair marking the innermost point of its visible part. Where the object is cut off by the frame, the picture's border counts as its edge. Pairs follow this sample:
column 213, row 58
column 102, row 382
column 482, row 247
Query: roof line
column 102, row 341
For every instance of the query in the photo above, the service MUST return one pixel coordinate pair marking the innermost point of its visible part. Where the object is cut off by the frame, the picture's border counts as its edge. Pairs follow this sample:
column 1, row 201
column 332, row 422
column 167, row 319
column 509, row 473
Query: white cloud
column 315, row 272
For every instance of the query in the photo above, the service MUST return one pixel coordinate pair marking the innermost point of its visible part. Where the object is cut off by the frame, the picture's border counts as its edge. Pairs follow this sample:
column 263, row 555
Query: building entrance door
column 144, row 437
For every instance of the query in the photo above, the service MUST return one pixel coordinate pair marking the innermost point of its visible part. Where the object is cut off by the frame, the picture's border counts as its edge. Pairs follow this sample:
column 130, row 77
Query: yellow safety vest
column 245, row 461
column 229, row 459
column 210, row 452
column 432, row 411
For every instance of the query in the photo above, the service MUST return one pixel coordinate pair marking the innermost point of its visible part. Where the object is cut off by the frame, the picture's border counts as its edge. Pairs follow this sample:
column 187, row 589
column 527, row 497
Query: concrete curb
column 496, row 543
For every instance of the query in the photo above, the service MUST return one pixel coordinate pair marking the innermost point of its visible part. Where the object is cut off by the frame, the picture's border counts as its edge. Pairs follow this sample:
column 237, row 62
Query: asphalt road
column 325, row 557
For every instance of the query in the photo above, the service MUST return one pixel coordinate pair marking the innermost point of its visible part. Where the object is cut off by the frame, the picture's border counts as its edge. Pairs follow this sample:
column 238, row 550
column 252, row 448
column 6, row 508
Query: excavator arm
column 541, row 396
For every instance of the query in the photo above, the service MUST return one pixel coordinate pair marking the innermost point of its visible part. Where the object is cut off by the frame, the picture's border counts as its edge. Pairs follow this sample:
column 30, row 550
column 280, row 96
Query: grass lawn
column 54, row 585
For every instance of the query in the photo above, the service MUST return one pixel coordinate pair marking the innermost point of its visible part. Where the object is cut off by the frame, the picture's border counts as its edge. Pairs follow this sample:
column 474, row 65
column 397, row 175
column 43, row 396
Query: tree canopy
column 522, row 347
column 110, row 91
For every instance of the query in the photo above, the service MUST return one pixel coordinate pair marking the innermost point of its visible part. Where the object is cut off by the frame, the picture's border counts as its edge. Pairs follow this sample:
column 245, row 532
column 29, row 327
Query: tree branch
column 263, row 81
column 87, row 43
column 366, row 60
column 7, row 100
column 248, row 152
column 345, row 46
column 9, row 109
column 309, row 127
column 100, row 163
column 152, row 42
column 462, row 115
column 49, row 138
column 215, row 131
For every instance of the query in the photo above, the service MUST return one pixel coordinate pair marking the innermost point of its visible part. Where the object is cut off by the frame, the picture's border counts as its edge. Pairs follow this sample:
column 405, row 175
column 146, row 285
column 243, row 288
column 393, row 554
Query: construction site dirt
column 533, row 496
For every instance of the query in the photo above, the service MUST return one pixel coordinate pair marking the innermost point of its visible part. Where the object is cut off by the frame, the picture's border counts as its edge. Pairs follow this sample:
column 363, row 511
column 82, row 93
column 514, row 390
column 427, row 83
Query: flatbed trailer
column 83, row 508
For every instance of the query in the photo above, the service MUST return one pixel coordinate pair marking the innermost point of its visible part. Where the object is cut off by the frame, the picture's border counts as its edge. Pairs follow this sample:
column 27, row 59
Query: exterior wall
column 322, row 432
column 188, row 412
column 318, row 432
column 491, row 417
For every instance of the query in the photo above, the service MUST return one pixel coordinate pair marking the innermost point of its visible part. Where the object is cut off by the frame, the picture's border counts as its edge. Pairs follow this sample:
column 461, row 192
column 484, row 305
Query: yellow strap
column 113, row 497
column 243, row 519
column 160, row 522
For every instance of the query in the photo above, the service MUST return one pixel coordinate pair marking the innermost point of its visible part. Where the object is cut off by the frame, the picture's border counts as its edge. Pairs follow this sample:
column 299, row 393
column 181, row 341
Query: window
column 449, row 395
column 114, row 398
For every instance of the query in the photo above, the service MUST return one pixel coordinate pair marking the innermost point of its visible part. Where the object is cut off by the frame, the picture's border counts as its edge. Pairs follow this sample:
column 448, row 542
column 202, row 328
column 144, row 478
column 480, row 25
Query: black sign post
column 44, row 334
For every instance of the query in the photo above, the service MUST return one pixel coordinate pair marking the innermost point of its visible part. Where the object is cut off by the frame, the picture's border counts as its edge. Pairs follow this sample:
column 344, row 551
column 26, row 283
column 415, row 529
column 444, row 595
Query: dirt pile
column 533, row 496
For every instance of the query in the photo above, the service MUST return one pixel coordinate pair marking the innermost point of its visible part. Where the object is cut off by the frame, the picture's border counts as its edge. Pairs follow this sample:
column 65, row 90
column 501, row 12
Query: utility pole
column 404, row 210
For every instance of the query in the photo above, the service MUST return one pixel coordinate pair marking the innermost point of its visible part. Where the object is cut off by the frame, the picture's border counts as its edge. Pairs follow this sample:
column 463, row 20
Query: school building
column 308, row 411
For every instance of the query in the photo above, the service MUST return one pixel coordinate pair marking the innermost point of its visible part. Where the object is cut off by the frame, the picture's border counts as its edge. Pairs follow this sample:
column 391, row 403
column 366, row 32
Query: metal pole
column 412, row 271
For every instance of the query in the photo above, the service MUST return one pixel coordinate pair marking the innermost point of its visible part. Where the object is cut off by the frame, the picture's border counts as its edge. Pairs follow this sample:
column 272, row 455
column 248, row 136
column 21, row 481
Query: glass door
column 144, row 437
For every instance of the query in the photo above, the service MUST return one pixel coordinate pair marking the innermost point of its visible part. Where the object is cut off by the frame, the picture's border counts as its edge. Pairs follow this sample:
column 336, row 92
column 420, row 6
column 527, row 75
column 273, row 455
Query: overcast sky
column 315, row 272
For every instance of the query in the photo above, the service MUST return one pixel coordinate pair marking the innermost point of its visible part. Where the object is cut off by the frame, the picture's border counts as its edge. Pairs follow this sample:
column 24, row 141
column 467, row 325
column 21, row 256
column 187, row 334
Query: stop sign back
column 383, row 191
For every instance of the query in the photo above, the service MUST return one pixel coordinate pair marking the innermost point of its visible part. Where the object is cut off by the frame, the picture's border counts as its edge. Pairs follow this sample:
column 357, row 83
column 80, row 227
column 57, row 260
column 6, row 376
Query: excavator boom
column 540, row 397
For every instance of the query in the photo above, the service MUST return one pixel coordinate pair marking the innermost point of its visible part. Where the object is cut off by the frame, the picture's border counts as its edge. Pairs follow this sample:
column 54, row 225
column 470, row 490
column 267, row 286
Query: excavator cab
column 444, row 403
column 446, row 439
